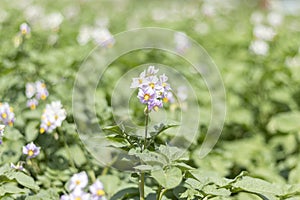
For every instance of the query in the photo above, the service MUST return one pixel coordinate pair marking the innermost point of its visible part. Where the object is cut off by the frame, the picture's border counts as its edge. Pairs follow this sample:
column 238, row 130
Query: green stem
column 146, row 128
column 161, row 193
column 142, row 176
column 67, row 147
column 142, row 185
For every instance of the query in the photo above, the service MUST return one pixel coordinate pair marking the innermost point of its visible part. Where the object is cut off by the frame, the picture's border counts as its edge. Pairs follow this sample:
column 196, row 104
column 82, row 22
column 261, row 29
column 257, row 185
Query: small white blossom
column 78, row 181
column 259, row 47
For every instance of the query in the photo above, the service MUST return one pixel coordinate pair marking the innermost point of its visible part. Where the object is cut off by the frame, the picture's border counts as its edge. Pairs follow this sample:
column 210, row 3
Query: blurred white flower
column 264, row 32
column 181, row 41
column 84, row 35
column 34, row 13
column 208, row 10
column 275, row 19
column 53, row 21
column 202, row 28
column 25, row 29
column 256, row 18
column 103, row 37
column 30, row 90
column 32, row 103
column 259, row 47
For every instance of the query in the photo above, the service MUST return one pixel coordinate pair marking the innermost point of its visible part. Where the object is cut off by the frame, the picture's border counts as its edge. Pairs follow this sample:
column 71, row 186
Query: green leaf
column 50, row 194
column 11, row 188
column 12, row 134
column 259, row 187
column 284, row 122
column 31, row 131
column 159, row 129
column 168, row 178
column 77, row 155
column 25, row 180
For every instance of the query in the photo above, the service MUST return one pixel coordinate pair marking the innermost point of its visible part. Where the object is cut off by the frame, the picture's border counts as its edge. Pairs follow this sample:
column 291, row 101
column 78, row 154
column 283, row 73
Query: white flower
column 103, row 37
column 275, row 19
column 256, row 18
column 181, row 41
column 30, row 90
column 84, row 35
column 97, row 190
column 259, row 47
column 78, row 181
column 52, row 117
column 25, row 29
column 264, row 32
column 53, row 21
column 78, row 194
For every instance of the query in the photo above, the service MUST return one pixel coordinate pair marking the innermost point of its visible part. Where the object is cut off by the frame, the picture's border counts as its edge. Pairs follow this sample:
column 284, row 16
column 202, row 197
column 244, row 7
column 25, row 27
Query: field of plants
column 155, row 100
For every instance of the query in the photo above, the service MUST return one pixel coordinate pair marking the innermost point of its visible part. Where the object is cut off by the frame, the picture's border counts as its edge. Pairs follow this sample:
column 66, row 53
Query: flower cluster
column 34, row 92
column 1, row 132
column 76, row 186
column 7, row 115
column 264, row 31
column 52, row 117
column 153, row 90
column 31, row 150
column 100, row 35
column 24, row 33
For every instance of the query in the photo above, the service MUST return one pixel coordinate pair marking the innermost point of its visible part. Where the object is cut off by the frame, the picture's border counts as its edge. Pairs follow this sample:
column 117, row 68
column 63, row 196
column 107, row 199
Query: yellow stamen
column 140, row 81
column 48, row 123
column 155, row 108
column 55, row 117
column 77, row 182
column 4, row 115
column 42, row 130
column 152, row 85
column 164, row 84
column 24, row 32
column 43, row 96
column 10, row 123
column 11, row 109
column 165, row 100
column 100, row 192
column 146, row 97
column 77, row 198
column 30, row 153
column 43, row 85
column 32, row 106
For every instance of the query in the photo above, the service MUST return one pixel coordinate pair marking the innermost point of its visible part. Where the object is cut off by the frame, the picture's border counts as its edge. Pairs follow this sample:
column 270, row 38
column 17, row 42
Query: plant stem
column 142, row 176
column 161, row 193
column 146, row 128
column 67, row 147
column 141, row 186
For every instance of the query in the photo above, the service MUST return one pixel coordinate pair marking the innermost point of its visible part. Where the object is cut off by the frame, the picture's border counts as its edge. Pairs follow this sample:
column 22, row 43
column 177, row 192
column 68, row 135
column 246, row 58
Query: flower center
column 78, row 198
column 152, row 85
column 146, row 97
column 43, row 96
column 100, row 192
column 77, row 182
column 42, row 130
column 4, row 115
column 30, row 153
column 165, row 99
column 32, row 106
